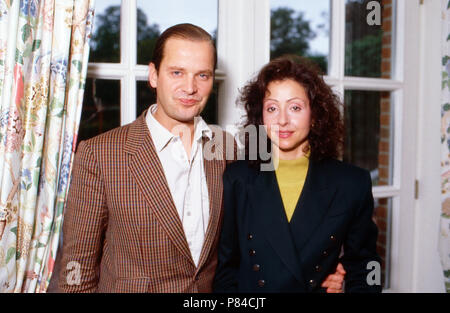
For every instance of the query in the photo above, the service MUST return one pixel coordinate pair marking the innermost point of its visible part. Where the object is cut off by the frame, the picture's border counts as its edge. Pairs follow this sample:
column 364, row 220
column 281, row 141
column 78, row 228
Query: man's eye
column 176, row 73
column 204, row 76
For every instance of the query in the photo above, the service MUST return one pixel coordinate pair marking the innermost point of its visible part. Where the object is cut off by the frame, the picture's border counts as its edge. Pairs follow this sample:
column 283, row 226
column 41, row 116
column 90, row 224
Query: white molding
column 371, row 84
column 118, row 71
column 128, row 48
column 261, row 34
column 107, row 70
column 385, row 191
column 405, row 146
column 243, row 48
column 428, row 273
column 141, row 72
column 337, row 40
column 337, row 47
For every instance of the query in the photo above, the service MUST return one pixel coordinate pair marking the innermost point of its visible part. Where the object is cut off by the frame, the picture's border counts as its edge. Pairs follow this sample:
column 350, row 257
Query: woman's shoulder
column 240, row 170
column 344, row 172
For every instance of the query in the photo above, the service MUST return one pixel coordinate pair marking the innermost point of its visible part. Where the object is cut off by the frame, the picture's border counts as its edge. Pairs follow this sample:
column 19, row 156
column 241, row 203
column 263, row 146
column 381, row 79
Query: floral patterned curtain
column 44, row 47
column 444, row 242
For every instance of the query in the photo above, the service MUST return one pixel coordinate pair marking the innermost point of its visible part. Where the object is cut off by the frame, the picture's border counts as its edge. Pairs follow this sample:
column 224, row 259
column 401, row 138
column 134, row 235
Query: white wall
column 428, row 275
column 243, row 48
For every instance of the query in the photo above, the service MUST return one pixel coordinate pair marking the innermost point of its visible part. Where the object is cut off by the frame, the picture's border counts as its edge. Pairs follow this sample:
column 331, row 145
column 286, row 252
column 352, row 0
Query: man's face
column 184, row 80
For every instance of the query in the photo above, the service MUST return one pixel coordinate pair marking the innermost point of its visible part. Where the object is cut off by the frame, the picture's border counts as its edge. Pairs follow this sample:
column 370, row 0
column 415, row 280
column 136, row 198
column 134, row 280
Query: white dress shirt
column 186, row 178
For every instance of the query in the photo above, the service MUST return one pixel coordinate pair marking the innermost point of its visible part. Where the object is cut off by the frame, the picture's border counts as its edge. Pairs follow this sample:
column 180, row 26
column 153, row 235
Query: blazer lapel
column 213, row 171
column 312, row 205
column 147, row 170
column 266, row 197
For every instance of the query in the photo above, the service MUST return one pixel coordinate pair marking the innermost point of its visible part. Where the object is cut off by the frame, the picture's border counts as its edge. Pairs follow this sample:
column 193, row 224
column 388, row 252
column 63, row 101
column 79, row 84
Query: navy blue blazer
column 260, row 251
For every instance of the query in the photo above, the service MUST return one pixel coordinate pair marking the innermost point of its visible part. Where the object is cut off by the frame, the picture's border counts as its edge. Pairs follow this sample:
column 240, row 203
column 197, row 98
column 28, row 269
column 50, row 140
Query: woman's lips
column 285, row 134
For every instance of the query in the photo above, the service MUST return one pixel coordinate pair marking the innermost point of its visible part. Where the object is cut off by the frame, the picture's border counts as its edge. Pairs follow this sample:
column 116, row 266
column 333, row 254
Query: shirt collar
column 201, row 129
column 161, row 136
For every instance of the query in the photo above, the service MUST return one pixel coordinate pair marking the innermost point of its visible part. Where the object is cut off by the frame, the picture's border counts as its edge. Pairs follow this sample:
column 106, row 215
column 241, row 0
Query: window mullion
column 337, row 49
column 377, row 84
column 385, row 191
column 128, row 48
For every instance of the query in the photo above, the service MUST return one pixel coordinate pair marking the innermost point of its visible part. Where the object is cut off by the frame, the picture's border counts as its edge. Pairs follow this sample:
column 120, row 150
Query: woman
column 285, row 230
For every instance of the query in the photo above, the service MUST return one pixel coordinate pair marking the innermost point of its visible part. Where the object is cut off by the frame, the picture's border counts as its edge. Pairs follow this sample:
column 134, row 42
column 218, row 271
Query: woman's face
column 287, row 116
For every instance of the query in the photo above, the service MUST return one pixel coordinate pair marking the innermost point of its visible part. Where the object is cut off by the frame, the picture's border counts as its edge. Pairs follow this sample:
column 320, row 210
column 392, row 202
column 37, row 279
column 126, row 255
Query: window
column 360, row 66
column 371, row 66
column 301, row 27
column 116, row 88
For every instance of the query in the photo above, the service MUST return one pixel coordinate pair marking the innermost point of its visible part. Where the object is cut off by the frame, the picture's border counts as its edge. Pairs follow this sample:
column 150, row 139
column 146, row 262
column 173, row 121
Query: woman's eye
column 270, row 109
column 296, row 108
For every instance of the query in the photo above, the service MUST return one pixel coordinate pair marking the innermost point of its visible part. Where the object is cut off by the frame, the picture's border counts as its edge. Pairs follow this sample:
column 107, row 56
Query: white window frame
column 244, row 47
column 128, row 71
column 427, row 274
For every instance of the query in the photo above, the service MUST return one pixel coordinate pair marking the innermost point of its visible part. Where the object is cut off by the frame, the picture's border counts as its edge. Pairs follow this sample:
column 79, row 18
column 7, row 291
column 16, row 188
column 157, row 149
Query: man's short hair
column 182, row 31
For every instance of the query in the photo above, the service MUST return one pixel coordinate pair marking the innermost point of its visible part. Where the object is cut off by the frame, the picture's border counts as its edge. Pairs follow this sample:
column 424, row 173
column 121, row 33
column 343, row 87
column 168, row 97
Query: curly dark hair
column 327, row 127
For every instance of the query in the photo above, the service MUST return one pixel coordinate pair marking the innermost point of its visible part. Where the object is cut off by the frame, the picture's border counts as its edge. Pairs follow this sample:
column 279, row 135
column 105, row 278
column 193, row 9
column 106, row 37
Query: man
column 144, row 207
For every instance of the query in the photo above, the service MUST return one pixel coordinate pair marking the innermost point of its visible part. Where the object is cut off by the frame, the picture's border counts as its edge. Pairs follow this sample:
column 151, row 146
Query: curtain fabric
column 444, row 240
column 44, row 47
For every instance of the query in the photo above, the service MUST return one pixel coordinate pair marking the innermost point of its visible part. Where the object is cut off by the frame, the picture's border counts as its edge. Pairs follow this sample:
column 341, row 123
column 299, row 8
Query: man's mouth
column 188, row 101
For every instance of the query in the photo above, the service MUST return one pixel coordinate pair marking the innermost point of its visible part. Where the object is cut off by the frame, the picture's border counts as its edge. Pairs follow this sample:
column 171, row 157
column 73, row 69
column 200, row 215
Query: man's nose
column 190, row 85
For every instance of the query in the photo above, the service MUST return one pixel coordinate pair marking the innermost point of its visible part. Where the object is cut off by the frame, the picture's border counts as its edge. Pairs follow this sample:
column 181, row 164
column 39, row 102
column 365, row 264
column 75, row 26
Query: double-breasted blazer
column 260, row 251
column 121, row 227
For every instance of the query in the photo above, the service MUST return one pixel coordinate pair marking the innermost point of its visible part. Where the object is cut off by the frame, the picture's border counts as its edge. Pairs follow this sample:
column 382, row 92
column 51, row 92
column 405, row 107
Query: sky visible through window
column 166, row 13
column 317, row 12
column 204, row 13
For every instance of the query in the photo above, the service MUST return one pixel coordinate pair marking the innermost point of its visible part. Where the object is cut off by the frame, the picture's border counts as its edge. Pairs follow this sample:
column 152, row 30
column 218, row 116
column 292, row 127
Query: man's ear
column 152, row 75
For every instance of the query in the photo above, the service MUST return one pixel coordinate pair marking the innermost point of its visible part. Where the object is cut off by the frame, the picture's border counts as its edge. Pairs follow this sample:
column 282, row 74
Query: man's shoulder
column 113, row 139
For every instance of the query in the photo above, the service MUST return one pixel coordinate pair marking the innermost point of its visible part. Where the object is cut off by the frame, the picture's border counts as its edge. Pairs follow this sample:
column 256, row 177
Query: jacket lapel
column 267, row 201
column 147, row 170
column 312, row 205
column 213, row 170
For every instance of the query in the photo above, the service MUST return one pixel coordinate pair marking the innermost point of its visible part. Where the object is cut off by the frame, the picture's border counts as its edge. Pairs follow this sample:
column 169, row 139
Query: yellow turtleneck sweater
column 291, row 175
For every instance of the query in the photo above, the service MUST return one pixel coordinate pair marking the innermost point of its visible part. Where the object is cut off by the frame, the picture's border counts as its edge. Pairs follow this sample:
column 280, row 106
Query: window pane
column 382, row 215
column 369, row 33
column 369, row 130
column 301, row 27
column 105, row 42
column 101, row 107
column 209, row 114
column 156, row 16
column 146, row 97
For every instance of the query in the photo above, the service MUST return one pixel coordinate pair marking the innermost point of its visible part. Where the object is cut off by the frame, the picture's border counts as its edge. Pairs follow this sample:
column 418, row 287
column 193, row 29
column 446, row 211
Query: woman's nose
column 283, row 118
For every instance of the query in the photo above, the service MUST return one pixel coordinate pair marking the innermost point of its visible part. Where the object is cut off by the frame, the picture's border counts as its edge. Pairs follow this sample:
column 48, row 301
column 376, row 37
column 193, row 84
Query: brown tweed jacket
column 122, row 232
